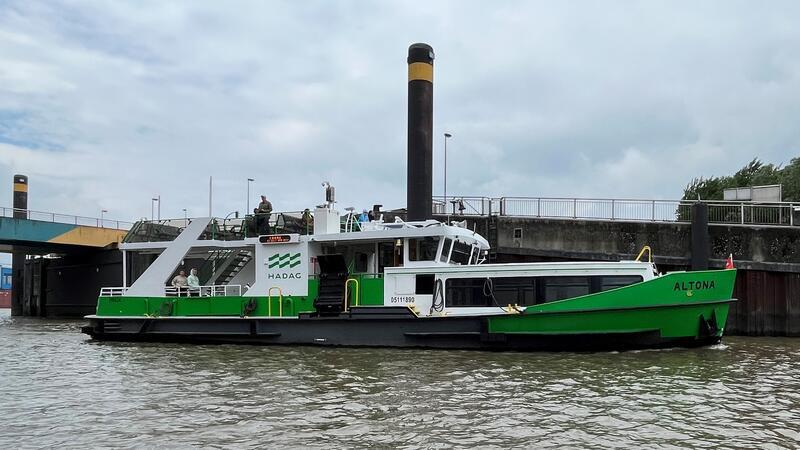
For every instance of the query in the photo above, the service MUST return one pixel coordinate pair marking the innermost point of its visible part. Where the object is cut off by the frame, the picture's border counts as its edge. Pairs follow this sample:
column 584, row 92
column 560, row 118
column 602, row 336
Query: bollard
column 700, row 238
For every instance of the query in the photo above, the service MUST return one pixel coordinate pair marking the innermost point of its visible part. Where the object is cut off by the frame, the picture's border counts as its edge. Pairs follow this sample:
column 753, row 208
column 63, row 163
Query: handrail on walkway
column 70, row 219
column 639, row 210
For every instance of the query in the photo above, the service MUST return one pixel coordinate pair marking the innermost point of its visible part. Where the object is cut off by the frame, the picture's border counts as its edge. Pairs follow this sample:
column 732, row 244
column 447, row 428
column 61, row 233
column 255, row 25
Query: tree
column 754, row 173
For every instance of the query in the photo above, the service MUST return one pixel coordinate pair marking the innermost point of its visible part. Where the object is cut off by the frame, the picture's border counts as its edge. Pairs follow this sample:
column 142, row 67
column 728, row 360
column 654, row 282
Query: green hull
column 671, row 304
column 682, row 308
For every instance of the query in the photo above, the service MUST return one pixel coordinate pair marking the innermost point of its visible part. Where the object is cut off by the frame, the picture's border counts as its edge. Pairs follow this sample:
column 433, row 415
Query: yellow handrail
column 280, row 301
column 346, row 299
column 647, row 249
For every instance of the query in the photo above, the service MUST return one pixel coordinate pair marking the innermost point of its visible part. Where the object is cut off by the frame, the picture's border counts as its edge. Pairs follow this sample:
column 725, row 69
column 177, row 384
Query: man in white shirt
column 194, row 283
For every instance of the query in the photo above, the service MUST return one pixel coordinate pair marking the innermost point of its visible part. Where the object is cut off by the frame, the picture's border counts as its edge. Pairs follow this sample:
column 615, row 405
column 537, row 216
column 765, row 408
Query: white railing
column 719, row 211
column 113, row 291
column 216, row 290
column 64, row 218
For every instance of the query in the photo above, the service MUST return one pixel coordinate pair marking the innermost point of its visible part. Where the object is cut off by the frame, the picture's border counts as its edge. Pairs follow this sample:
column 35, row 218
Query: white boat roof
column 410, row 230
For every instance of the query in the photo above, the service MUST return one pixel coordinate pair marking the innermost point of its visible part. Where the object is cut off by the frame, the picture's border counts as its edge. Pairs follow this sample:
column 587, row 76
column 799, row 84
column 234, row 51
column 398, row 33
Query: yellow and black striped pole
column 420, row 132
column 18, row 259
column 20, row 196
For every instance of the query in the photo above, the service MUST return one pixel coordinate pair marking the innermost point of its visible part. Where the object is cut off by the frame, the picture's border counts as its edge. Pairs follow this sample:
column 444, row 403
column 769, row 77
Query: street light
column 185, row 218
column 249, row 180
column 153, row 208
column 446, row 137
column 102, row 211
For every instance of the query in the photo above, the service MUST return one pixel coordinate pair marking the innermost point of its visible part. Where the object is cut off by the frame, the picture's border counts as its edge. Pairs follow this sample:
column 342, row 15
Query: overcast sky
column 105, row 104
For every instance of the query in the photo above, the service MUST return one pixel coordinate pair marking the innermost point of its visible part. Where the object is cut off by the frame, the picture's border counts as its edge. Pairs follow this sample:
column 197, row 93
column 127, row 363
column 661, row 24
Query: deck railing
column 216, row 290
column 65, row 218
column 719, row 211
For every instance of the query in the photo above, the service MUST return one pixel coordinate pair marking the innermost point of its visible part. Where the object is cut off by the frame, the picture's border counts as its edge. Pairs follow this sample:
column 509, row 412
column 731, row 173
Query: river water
column 59, row 389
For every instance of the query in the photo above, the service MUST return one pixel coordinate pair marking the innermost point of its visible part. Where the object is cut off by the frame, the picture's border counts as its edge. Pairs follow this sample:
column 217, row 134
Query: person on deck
column 308, row 221
column 263, row 213
column 364, row 217
column 194, row 283
column 265, row 207
column 179, row 282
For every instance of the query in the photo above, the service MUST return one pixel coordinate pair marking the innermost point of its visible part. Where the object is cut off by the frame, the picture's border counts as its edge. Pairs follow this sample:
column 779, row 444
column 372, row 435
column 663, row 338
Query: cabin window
column 385, row 255
column 559, row 288
column 466, row 292
column 425, row 284
column 423, row 249
column 528, row 291
column 606, row 283
column 360, row 263
column 446, row 250
column 461, row 253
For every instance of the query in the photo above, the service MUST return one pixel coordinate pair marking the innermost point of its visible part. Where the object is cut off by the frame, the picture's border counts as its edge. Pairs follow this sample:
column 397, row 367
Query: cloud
column 105, row 104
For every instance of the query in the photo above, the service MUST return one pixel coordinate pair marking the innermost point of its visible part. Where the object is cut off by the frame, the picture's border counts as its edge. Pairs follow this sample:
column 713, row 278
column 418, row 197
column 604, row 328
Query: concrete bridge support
column 18, row 258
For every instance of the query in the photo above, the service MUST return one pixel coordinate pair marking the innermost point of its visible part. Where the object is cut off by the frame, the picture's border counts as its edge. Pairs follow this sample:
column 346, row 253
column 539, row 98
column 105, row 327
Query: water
column 59, row 389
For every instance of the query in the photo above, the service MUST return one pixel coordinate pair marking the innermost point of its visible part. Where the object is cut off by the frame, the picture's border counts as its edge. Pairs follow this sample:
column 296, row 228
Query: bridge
column 76, row 254
column 49, row 231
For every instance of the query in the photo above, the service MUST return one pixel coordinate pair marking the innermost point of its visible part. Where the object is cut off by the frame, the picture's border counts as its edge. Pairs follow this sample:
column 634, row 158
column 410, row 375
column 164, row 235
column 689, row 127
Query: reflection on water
column 57, row 388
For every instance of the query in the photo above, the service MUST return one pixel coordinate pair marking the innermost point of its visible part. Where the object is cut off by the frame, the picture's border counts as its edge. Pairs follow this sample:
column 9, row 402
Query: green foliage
column 754, row 173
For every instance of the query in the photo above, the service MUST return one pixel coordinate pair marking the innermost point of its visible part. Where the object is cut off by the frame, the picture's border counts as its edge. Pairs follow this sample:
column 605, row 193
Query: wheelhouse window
column 446, row 250
column 474, row 255
column 528, row 291
column 461, row 253
column 423, row 249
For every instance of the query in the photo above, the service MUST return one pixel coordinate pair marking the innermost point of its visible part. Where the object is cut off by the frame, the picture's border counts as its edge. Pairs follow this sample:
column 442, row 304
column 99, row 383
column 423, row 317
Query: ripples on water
column 57, row 388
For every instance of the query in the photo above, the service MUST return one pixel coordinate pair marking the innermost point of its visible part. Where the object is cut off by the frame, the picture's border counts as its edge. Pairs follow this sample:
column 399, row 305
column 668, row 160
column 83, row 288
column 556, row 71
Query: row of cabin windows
column 390, row 254
column 424, row 249
column 523, row 291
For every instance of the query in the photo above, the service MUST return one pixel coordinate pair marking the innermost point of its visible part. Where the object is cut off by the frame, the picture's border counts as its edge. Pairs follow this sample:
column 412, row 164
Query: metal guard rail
column 719, row 211
column 65, row 218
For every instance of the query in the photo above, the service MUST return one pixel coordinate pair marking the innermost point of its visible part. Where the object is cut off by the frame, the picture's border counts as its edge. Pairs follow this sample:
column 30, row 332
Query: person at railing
column 179, row 282
column 194, row 283
column 263, row 213
column 308, row 221
column 364, row 217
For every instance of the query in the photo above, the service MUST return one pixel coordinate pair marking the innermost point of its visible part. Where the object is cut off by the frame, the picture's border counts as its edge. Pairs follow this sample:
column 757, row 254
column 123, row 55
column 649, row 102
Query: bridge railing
column 719, row 211
column 65, row 218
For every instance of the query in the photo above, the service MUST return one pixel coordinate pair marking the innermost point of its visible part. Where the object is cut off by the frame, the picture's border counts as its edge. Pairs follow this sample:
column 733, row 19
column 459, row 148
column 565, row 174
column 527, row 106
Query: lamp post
column 185, row 218
column 102, row 212
column 249, row 180
column 153, row 208
column 156, row 199
column 446, row 137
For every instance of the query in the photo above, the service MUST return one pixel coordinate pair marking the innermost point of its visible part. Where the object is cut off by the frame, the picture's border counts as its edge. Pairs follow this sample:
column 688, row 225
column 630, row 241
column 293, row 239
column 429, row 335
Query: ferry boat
column 396, row 284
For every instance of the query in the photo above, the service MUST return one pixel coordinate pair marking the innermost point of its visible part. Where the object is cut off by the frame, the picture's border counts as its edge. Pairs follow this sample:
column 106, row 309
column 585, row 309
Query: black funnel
column 420, row 132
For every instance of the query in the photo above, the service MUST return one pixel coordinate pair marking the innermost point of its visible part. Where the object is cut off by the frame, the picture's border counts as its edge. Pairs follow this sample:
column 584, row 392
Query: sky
column 105, row 105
